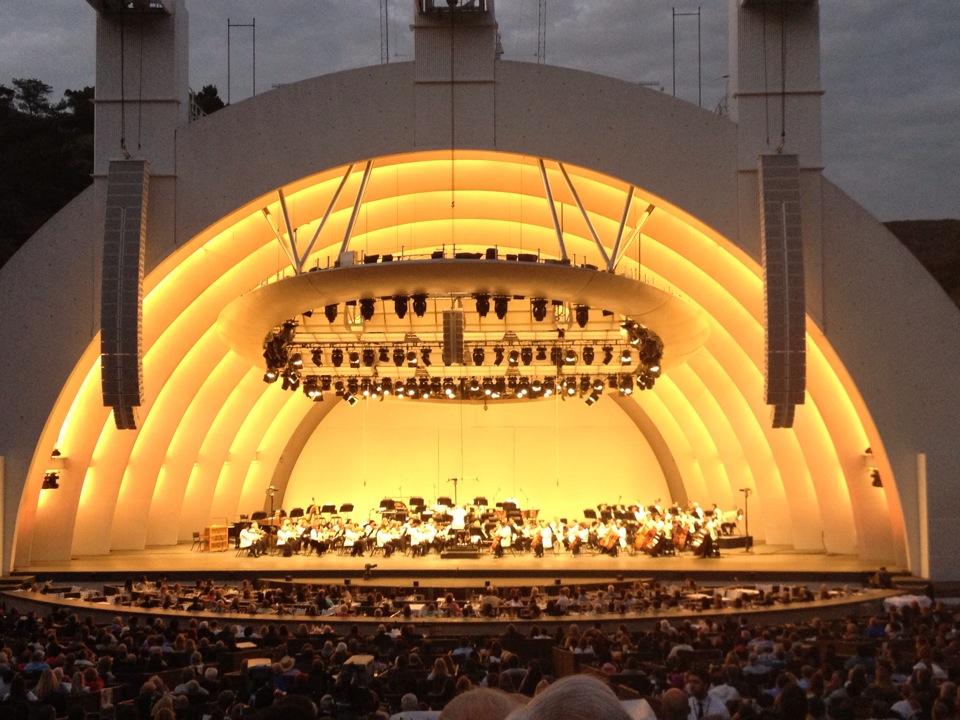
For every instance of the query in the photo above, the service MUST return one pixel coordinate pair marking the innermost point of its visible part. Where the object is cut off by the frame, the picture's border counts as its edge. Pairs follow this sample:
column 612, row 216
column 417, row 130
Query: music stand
column 346, row 507
column 328, row 509
column 590, row 514
column 480, row 501
column 445, row 501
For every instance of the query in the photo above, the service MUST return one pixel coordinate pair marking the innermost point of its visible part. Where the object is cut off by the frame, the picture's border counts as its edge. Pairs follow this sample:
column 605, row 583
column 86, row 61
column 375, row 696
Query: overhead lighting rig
column 376, row 366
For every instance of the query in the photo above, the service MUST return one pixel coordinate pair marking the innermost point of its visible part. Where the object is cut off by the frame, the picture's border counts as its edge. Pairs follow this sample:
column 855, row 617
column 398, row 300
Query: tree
column 32, row 96
column 6, row 98
column 208, row 99
column 78, row 104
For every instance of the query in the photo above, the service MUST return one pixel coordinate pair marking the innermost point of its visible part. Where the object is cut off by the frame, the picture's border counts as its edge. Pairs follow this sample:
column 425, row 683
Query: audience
column 900, row 664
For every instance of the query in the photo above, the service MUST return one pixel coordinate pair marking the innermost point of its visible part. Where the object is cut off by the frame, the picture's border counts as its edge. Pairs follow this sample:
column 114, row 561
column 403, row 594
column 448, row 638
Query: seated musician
column 368, row 535
column 320, row 538
column 503, row 538
column 251, row 538
column 415, row 533
column 351, row 537
column 532, row 538
column 386, row 538
column 287, row 539
column 428, row 537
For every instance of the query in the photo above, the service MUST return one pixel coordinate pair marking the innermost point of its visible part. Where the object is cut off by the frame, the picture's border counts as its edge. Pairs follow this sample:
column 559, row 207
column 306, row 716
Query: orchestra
column 611, row 529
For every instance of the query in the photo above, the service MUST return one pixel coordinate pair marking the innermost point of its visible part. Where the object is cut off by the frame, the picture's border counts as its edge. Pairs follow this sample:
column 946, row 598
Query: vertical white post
column 923, row 518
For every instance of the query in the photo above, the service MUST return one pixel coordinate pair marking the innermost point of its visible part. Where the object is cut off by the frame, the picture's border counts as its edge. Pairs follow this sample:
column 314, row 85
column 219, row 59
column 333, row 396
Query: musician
column 546, row 537
column 287, row 539
column 251, row 538
column 503, row 538
column 319, row 538
column 458, row 518
column 386, row 539
column 351, row 537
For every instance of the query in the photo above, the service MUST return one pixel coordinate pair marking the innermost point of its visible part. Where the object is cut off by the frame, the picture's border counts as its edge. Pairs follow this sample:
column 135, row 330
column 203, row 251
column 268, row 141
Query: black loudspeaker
column 453, row 337
column 121, row 304
column 781, row 254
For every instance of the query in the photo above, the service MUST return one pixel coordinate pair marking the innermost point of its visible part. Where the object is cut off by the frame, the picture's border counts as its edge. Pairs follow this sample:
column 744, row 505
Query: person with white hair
column 575, row 697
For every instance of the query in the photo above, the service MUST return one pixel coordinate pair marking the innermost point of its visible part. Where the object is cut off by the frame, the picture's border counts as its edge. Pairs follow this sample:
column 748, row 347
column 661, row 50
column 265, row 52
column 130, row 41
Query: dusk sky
column 890, row 68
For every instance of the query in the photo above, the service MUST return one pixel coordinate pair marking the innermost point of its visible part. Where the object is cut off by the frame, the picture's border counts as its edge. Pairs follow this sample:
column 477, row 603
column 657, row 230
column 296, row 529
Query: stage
column 764, row 563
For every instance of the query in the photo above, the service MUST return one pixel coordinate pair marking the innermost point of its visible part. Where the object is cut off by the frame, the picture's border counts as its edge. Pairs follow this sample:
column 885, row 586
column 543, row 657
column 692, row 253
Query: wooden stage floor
column 765, row 562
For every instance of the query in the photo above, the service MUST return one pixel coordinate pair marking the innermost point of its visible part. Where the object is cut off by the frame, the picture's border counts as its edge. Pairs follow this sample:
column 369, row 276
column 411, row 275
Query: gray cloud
column 889, row 68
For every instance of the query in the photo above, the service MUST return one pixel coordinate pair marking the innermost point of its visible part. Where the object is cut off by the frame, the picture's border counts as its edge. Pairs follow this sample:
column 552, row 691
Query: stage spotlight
column 499, row 388
column 398, row 356
column 536, row 386
column 336, row 357
column 296, row 361
column 498, row 355
column 424, row 388
column 514, row 358
column 325, row 382
column 651, row 350
column 588, row 355
column 539, row 307
column 582, row 315
column 526, row 355
column 338, row 387
column 541, row 352
column 626, row 385
column 425, row 356
column 270, row 376
column 386, row 386
column 384, row 355
column 584, row 383
column 411, row 389
column 523, row 387
column 317, row 356
column 411, row 359
column 548, row 387
column 654, row 370
column 51, row 480
column 351, row 398
column 570, row 357
column 474, row 385
column 291, row 380
column 479, row 355
column 311, row 388
column 607, row 354
column 400, row 305
column 400, row 390
column 483, row 304
column 354, row 359
column 877, row 481
column 570, row 387
column 487, row 387
column 330, row 311
column 419, row 304
column 369, row 357
column 448, row 388
column 556, row 355
column 500, row 305
column 353, row 386
column 625, row 357
column 365, row 388
column 597, row 384
column 592, row 398
column 367, row 308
